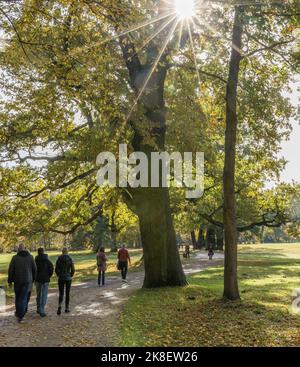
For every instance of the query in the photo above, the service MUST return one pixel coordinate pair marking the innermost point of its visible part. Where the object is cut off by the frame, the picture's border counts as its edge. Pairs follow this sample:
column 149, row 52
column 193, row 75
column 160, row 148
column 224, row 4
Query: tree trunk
column 262, row 234
column 220, row 239
column 161, row 258
column 201, row 240
column 194, row 242
column 114, row 232
column 231, row 291
column 210, row 238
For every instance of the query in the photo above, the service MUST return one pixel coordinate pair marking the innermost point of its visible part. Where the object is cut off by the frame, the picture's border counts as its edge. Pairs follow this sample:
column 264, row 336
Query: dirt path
column 94, row 313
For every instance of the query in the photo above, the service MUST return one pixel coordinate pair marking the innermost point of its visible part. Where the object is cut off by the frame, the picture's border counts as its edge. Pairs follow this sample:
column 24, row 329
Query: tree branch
column 77, row 225
column 267, row 48
column 53, row 188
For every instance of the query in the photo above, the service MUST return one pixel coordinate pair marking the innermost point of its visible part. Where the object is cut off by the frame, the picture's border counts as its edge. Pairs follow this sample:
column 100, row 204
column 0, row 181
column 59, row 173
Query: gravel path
column 94, row 313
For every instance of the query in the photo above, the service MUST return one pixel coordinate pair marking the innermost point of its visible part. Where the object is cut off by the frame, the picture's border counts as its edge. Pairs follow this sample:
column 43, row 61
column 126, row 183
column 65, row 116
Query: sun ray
column 165, row 44
column 193, row 23
column 161, row 28
column 216, row 32
column 245, row 3
column 194, row 54
column 139, row 26
column 180, row 35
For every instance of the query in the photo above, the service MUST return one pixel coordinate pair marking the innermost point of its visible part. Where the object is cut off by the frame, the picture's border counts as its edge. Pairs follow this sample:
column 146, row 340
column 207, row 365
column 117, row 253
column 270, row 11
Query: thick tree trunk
column 161, row 257
column 231, row 291
column 152, row 205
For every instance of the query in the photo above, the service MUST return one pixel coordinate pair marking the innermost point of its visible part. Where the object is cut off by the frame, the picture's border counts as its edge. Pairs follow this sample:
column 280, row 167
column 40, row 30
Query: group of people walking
column 24, row 270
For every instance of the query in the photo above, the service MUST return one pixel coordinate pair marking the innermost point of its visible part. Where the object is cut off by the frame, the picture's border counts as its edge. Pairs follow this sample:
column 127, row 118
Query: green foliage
column 67, row 97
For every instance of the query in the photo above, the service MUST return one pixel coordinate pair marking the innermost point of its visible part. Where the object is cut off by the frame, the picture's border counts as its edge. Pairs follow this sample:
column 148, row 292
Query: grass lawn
column 196, row 316
column 85, row 265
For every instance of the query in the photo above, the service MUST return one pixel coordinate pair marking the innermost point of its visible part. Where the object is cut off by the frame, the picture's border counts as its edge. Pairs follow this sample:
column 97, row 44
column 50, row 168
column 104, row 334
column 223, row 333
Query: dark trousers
column 123, row 267
column 101, row 277
column 21, row 298
column 62, row 284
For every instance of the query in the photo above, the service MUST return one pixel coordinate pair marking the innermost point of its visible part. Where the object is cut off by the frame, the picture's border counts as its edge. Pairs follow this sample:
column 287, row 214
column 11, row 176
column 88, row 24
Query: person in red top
column 123, row 259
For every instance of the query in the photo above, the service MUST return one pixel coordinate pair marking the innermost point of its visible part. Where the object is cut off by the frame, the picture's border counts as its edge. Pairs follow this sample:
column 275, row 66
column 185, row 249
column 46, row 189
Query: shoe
column 67, row 310
column 38, row 312
column 20, row 321
column 59, row 310
column 43, row 315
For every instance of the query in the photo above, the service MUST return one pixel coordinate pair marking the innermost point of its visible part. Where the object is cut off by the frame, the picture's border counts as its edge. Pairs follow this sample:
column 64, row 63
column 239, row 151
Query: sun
column 184, row 9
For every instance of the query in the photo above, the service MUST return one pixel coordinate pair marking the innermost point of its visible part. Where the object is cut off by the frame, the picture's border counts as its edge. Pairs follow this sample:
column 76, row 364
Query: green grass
column 197, row 316
column 85, row 265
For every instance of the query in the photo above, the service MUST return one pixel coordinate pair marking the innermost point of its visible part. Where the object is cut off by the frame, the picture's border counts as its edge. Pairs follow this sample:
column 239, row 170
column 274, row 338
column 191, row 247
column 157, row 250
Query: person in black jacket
column 44, row 273
column 21, row 272
column 64, row 269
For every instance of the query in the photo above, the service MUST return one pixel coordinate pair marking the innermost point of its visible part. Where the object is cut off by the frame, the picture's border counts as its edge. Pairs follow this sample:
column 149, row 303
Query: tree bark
column 220, row 239
column 114, row 232
column 201, row 240
column 231, row 290
column 161, row 257
column 210, row 238
column 194, row 242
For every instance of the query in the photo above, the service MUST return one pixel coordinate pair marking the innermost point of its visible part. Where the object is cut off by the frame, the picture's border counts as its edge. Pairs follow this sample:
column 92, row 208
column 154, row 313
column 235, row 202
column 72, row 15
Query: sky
column 291, row 148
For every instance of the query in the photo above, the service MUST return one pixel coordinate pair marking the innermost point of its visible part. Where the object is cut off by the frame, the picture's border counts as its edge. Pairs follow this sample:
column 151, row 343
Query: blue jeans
column 41, row 296
column 101, row 276
column 21, row 298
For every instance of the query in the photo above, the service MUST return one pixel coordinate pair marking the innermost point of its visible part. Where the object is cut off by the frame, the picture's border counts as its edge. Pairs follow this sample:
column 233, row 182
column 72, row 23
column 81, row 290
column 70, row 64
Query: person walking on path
column 44, row 273
column 101, row 264
column 64, row 269
column 187, row 252
column 210, row 253
column 21, row 272
column 123, row 259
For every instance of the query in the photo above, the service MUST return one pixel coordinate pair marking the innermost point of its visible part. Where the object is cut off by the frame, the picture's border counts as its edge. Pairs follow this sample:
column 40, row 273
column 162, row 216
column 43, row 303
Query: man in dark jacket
column 64, row 269
column 44, row 273
column 21, row 272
